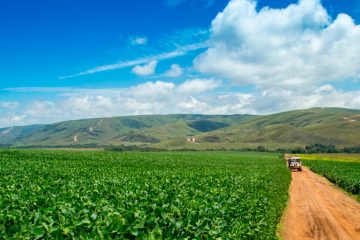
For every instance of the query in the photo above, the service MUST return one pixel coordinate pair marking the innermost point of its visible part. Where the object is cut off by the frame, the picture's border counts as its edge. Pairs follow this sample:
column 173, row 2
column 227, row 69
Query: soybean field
column 177, row 195
column 345, row 174
column 337, row 157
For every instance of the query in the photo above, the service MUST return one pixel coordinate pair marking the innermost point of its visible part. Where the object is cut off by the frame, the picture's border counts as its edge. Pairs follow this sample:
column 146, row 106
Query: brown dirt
column 319, row 210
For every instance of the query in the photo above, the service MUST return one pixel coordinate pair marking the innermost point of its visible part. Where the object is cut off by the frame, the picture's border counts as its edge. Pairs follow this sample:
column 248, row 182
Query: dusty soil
column 319, row 210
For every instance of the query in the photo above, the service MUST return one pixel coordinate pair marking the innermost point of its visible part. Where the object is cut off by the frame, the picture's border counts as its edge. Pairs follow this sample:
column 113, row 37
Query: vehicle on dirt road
column 294, row 163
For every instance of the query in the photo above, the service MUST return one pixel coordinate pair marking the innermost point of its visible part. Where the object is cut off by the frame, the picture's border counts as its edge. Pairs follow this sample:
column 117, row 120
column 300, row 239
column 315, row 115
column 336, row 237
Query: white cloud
column 157, row 97
column 180, row 51
column 146, row 69
column 167, row 97
column 197, row 85
column 8, row 104
column 41, row 109
column 16, row 118
column 139, row 40
column 193, row 105
column 231, row 103
column 174, row 71
column 286, row 48
column 155, row 89
column 12, row 119
column 325, row 89
column 277, row 100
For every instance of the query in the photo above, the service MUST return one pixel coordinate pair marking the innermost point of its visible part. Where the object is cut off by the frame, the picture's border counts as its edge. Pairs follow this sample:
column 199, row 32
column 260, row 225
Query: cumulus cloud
column 198, row 85
column 157, row 97
column 167, row 97
column 193, row 104
column 139, row 40
column 41, row 109
column 174, row 71
column 274, row 100
column 281, row 48
column 325, row 89
column 146, row 69
column 152, row 89
column 11, row 119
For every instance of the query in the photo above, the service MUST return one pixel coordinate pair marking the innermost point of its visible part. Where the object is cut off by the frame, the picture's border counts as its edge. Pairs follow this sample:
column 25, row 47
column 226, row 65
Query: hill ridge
column 296, row 128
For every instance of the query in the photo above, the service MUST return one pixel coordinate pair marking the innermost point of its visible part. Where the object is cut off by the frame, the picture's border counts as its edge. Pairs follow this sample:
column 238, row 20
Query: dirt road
column 318, row 210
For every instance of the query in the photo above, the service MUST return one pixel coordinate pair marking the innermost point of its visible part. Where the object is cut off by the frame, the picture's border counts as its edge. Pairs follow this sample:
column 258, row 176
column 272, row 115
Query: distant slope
column 138, row 130
column 336, row 126
column 9, row 136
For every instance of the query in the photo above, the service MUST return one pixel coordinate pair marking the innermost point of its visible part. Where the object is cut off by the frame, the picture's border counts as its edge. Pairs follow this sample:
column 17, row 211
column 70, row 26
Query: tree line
column 321, row 148
column 313, row 148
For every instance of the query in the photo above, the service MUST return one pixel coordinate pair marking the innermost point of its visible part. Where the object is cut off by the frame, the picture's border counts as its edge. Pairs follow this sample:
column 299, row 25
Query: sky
column 75, row 59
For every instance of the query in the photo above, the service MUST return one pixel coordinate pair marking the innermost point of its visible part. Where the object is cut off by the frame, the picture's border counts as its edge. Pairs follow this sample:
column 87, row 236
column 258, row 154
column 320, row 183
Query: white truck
column 294, row 163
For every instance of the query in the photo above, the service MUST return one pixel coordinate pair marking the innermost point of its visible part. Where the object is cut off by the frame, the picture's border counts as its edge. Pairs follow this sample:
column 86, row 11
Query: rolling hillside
column 333, row 126
column 133, row 130
column 298, row 128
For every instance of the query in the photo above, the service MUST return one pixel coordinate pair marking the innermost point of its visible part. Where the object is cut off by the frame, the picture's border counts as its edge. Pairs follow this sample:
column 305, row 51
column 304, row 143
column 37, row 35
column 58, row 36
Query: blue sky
column 74, row 59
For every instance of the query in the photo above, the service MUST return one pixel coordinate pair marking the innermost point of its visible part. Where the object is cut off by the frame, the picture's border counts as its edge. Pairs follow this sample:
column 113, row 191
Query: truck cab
column 294, row 163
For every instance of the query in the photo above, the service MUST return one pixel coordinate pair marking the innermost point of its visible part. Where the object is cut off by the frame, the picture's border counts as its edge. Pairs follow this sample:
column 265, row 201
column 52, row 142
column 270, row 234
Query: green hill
column 9, row 136
column 332, row 126
column 132, row 130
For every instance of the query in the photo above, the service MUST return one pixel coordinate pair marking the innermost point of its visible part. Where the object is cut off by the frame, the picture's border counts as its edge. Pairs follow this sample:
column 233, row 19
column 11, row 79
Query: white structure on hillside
column 191, row 139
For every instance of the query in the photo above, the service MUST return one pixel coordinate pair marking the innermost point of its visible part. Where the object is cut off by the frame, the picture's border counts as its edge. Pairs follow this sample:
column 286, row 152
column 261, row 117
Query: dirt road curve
column 318, row 210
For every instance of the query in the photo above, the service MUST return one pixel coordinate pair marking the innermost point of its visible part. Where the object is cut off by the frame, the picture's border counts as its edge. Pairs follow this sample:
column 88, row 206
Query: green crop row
column 337, row 157
column 344, row 174
column 102, row 195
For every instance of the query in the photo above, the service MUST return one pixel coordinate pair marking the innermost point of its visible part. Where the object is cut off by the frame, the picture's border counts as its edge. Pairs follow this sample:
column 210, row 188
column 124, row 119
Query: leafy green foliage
column 343, row 174
column 102, row 195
